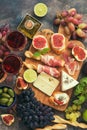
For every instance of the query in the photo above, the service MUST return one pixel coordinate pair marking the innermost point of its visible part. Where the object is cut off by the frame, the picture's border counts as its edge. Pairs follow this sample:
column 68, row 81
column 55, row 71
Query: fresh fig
column 7, row 119
column 21, row 84
column 79, row 53
column 39, row 42
column 58, row 42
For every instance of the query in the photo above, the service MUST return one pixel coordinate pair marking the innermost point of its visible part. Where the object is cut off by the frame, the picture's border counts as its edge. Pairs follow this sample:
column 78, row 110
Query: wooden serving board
column 40, row 95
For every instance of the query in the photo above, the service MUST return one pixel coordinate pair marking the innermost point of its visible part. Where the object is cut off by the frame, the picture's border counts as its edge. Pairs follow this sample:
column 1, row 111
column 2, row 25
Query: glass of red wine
column 16, row 41
column 11, row 64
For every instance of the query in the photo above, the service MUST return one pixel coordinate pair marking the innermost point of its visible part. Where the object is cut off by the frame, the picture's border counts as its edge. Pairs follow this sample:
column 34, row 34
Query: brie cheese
column 46, row 83
column 67, row 82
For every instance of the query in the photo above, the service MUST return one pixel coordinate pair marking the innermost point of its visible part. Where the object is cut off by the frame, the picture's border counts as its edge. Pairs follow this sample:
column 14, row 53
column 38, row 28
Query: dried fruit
column 7, row 119
column 39, row 42
column 79, row 53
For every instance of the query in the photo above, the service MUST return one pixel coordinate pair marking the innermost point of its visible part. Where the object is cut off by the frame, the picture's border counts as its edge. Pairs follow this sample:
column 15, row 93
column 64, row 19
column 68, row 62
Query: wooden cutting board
column 40, row 95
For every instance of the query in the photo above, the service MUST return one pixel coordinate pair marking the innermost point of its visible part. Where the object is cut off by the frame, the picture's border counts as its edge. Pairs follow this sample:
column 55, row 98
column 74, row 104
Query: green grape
column 70, row 109
column 67, row 116
column 77, row 114
column 78, row 107
column 74, row 107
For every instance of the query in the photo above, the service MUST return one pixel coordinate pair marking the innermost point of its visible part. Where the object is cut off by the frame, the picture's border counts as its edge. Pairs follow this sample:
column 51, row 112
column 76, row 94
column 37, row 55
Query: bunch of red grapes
column 72, row 23
column 4, row 30
column 4, row 51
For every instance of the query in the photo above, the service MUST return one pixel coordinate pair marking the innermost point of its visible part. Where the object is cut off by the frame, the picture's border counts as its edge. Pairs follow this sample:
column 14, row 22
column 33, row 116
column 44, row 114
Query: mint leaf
column 44, row 51
column 37, row 54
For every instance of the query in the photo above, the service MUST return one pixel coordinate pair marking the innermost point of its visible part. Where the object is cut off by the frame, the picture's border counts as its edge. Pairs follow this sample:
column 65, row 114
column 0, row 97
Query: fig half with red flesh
column 58, row 42
column 39, row 42
column 79, row 53
column 7, row 119
column 21, row 84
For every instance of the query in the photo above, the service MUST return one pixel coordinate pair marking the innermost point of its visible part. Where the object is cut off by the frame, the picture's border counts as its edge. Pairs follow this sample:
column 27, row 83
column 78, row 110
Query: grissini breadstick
column 58, row 119
column 55, row 126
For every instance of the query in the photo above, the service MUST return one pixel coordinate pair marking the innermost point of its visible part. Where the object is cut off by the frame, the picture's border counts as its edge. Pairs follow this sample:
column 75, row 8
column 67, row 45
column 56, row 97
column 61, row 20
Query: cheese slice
column 46, row 83
column 67, row 82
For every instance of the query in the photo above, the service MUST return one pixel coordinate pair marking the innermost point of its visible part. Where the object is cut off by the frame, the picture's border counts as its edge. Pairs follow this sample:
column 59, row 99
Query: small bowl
column 29, row 26
column 4, row 105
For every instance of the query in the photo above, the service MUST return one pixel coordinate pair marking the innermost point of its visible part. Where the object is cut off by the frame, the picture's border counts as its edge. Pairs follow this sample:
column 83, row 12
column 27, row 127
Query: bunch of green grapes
column 72, row 22
column 72, row 113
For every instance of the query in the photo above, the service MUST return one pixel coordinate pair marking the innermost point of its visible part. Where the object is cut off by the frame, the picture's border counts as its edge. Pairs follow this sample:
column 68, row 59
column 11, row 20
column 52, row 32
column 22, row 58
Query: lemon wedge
column 40, row 9
column 30, row 75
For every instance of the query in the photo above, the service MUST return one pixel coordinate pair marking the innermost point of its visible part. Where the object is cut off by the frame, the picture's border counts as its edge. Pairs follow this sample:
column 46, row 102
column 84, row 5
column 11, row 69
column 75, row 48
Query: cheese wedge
column 67, row 82
column 46, row 83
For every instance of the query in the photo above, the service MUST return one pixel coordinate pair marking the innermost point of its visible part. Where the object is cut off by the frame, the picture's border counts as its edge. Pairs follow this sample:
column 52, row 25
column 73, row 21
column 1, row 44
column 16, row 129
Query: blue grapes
column 32, row 112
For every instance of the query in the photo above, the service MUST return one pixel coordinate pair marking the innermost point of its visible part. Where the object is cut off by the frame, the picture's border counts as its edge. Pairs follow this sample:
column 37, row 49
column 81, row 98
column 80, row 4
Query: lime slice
column 40, row 9
column 30, row 75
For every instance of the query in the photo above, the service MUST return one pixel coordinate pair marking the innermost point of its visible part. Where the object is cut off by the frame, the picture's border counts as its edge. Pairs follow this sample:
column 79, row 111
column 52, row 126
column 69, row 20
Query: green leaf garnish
column 41, row 52
column 37, row 54
column 44, row 51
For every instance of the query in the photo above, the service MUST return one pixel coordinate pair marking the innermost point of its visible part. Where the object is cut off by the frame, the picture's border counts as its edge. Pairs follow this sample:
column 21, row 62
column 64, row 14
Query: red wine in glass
column 16, row 41
column 12, row 64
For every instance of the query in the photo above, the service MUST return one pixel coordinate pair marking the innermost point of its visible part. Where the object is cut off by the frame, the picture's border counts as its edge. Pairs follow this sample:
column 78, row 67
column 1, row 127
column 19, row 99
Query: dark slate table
column 12, row 12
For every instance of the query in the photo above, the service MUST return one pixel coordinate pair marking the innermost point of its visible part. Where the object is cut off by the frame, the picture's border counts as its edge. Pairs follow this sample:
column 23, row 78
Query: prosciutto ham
column 52, row 61
column 49, row 70
column 71, row 64
column 44, row 68
column 49, row 60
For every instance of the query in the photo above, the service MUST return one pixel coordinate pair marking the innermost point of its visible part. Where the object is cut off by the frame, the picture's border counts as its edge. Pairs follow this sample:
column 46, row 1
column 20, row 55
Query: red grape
column 6, row 53
column 57, row 21
column 75, row 21
column 78, row 16
column 80, row 33
column 71, row 27
column 1, row 53
column 0, row 35
column 67, row 30
column 72, row 11
column 64, row 13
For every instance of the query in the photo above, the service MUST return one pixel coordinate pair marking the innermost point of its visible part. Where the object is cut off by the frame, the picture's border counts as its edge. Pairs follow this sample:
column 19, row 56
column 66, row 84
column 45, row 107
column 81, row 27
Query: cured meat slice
column 49, row 70
column 52, row 61
column 71, row 64
column 44, row 68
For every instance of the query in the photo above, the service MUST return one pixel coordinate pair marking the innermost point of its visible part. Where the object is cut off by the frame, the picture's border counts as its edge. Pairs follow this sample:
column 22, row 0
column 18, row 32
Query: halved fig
column 79, row 53
column 39, row 42
column 58, row 42
column 7, row 119
column 20, row 83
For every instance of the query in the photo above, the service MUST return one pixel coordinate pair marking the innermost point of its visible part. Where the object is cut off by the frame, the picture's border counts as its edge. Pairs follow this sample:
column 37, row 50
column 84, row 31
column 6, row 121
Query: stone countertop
column 12, row 12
